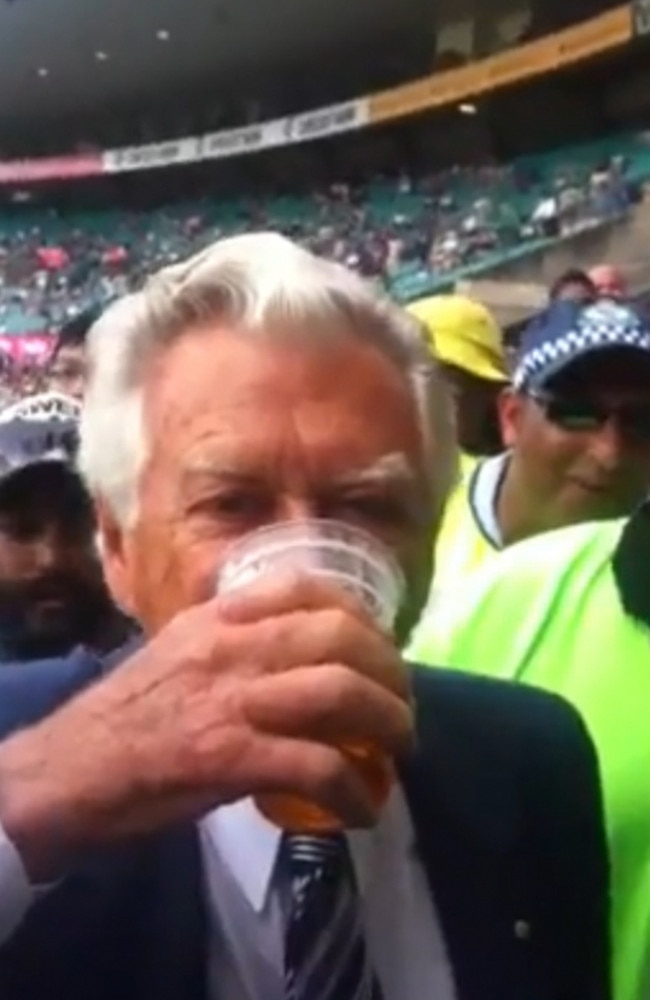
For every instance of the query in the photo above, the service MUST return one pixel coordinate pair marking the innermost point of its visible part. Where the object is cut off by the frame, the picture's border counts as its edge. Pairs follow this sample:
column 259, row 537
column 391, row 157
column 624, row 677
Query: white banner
column 327, row 121
column 157, row 154
column 239, row 141
column 235, row 141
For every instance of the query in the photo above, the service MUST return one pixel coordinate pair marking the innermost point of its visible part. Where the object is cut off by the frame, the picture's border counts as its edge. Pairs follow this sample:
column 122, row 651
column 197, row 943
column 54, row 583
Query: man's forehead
column 70, row 351
column 218, row 387
column 208, row 360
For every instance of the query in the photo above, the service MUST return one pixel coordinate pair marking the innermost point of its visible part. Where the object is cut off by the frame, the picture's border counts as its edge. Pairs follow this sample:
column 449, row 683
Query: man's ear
column 114, row 553
column 510, row 408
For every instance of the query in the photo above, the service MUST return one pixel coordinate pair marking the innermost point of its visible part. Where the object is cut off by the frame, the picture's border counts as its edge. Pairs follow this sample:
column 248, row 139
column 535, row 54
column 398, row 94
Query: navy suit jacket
column 505, row 800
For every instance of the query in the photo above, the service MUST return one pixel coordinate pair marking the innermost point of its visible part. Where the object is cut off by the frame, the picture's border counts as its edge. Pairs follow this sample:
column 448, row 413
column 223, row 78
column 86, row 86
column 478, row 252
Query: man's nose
column 47, row 552
column 71, row 385
column 609, row 445
column 76, row 387
column 297, row 509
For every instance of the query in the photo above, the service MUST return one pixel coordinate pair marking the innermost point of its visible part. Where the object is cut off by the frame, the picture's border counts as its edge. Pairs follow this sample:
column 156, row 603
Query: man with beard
column 52, row 592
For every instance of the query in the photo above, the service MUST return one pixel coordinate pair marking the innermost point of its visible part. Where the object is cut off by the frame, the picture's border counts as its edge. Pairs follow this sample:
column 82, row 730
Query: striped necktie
column 325, row 952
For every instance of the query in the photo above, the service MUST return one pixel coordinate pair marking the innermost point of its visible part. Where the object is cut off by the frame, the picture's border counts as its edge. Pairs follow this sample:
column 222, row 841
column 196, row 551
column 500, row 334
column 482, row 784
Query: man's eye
column 23, row 530
column 239, row 504
column 375, row 508
column 66, row 373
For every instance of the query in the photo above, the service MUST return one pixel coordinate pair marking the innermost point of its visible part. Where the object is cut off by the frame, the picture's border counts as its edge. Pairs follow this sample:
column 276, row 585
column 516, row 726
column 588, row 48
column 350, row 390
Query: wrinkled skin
column 246, row 432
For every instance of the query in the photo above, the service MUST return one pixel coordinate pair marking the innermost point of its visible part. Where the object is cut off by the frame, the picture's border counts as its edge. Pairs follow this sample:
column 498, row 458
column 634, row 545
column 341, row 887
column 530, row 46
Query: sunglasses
column 577, row 415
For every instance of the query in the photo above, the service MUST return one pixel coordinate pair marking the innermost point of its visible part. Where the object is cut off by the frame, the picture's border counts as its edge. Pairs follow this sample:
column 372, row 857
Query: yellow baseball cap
column 463, row 333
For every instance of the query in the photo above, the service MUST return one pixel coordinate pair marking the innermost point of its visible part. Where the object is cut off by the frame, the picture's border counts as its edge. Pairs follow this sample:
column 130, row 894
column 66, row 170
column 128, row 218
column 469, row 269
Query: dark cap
column 567, row 332
column 38, row 430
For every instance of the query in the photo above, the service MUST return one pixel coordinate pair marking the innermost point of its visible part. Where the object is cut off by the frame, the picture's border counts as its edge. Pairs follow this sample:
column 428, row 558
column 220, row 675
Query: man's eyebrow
column 216, row 468
column 393, row 469
column 390, row 470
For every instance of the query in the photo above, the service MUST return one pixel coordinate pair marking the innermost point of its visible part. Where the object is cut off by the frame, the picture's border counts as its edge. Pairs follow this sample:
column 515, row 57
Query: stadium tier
column 417, row 234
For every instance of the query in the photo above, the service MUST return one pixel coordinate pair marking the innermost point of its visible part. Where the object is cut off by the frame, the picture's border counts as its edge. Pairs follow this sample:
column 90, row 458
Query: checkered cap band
column 24, row 443
column 598, row 326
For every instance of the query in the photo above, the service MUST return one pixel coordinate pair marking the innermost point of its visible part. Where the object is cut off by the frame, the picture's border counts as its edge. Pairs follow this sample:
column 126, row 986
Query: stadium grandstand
column 421, row 143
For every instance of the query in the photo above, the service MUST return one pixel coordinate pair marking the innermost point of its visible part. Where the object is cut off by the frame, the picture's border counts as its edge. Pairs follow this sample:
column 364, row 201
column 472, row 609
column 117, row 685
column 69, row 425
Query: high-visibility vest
column 463, row 543
column 551, row 612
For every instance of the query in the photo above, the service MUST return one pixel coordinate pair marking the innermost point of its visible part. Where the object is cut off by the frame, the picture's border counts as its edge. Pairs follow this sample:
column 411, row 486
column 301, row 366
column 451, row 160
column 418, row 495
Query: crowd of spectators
column 408, row 232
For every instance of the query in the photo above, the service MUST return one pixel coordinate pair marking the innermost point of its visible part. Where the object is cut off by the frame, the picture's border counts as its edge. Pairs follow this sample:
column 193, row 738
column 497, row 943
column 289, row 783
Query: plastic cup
column 359, row 564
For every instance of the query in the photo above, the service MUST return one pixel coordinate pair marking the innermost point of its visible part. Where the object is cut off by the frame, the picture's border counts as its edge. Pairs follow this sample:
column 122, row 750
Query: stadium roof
column 77, row 55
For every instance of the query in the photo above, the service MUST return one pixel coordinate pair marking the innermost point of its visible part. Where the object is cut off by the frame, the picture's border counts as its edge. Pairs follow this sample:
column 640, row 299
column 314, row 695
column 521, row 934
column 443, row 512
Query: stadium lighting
column 468, row 109
column 101, row 56
column 42, row 71
column 162, row 35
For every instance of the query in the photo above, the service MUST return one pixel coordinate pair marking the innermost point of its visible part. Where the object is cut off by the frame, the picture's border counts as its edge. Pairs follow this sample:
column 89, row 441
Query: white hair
column 254, row 284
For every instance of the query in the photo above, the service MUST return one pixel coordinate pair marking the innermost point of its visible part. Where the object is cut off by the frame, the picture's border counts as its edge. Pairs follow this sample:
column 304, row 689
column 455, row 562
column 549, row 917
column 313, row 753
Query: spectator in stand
column 573, row 285
column 576, row 425
column 52, row 591
column 570, row 612
column 406, row 230
column 609, row 281
column 468, row 343
column 137, row 801
column 67, row 368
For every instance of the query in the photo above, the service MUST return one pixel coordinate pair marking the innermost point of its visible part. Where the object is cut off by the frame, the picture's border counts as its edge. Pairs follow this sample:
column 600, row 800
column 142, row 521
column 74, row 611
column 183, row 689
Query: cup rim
column 373, row 542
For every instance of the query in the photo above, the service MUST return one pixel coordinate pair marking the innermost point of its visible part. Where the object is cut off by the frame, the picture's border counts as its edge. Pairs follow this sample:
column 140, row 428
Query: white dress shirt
column 247, row 894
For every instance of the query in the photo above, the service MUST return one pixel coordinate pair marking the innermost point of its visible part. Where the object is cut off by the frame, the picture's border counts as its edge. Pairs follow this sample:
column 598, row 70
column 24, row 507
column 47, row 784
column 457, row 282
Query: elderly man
column 251, row 386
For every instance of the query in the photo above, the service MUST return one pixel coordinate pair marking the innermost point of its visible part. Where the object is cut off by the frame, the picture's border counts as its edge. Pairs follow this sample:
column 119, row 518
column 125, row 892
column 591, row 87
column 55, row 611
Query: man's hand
column 251, row 693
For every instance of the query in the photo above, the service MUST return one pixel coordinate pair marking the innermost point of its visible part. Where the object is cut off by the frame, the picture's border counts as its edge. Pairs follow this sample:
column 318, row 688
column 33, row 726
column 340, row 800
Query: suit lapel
column 464, row 811
column 126, row 924
column 176, row 920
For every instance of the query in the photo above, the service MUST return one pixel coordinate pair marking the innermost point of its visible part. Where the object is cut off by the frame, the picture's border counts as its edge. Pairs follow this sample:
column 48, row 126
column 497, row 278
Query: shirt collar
column 249, row 845
column 483, row 492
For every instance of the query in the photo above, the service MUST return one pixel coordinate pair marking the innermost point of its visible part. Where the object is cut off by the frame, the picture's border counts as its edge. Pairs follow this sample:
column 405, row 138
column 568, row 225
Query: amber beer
column 359, row 564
